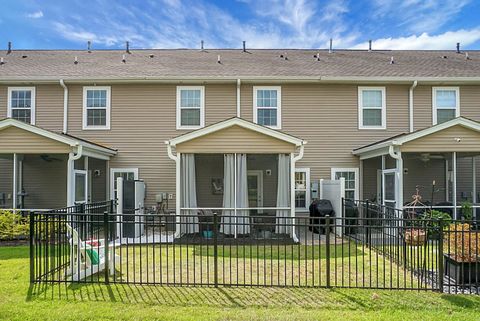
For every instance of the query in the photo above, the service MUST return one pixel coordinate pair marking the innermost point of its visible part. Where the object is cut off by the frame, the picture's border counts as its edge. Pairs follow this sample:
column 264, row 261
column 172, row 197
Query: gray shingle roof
column 191, row 63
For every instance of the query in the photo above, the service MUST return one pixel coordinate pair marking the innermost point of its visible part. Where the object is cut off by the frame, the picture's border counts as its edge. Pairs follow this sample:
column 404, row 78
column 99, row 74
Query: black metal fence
column 369, row 247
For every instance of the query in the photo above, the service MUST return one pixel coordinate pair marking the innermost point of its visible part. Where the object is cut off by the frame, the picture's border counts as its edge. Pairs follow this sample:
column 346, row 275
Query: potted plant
column 462, row 253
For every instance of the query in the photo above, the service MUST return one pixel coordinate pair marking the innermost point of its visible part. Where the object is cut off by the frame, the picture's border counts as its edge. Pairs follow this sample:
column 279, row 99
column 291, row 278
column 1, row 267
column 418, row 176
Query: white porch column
column 360, row 181
column 399, row 162
column 15, row 180
column 70, row 168
column 88, row 187
column 454, row 194
column 177, row 192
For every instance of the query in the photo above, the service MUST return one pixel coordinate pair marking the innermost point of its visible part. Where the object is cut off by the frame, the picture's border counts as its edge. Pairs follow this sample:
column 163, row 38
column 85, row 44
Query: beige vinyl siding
column 3, row 101
column 16, row 140
column 445, row 141
column 142, row 119
column 469, row 104
column 327, row 117
column 49, row 107
column 235, row 139
column 6, row 178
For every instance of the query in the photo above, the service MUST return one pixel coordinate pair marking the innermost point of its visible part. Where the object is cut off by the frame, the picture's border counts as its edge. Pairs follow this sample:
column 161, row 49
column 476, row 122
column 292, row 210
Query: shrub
column 467, row 210
column 461, row 243
column 12, row 225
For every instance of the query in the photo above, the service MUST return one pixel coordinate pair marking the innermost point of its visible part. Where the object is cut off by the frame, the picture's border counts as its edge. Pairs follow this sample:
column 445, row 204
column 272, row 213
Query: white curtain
column 283, row 195
column 188, row 194
column 243, row 221
column 228, row 221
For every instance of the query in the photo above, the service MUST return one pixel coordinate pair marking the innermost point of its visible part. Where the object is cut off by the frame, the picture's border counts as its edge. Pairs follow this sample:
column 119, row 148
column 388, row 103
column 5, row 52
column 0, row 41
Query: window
column 351, row 181
column 446, row 104
column 96, row 107
column 126, row 173
column 371, row 108
column 190, row 107
column 21, row 104
column 267, row 103
column 302, row 188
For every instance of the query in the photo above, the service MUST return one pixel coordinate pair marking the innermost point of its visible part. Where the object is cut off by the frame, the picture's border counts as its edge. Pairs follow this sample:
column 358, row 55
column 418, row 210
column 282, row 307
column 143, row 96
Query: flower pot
column 462, row 272
column 415, row 237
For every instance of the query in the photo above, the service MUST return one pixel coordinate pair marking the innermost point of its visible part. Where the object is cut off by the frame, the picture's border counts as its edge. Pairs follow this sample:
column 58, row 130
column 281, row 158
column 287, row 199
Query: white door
column 81, row 186
column 255, row 189
column 390, row 188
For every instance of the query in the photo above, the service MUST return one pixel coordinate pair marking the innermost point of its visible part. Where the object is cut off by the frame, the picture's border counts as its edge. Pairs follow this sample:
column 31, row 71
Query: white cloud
column 35, row 15
column 425, row 41
column 419, row 15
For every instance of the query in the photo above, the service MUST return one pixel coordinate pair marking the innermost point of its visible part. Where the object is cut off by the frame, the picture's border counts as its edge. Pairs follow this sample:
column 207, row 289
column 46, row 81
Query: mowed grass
column 20, row 301
column 350, row 265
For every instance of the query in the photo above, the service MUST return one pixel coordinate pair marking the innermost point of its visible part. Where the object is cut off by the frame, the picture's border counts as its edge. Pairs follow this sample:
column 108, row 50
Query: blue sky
column 407, row 24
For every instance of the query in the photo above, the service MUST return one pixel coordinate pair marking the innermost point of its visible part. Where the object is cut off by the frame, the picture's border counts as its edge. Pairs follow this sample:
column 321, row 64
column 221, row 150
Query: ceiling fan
column 49, row 159
column 426, row 157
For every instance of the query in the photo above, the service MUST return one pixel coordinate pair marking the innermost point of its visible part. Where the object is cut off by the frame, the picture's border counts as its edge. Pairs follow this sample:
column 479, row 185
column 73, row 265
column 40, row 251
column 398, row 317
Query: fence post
column 367, row 216
column 215, row 248
column 106, row 244
column 327, row 250
column 32, row 259
column 440, row 255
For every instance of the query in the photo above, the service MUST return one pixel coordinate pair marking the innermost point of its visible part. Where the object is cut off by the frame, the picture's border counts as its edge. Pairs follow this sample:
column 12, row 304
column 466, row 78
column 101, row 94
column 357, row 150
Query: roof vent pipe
column 1, row 61
column 219, row 60
column 369, row 45
column 331, row 46
column 124, row 60
column 89, row 46
column 391, row 60
column 127, row 47
column 244, row 46
column 76, row 60
column 466, row 56
column 201, row 45
column 9, row 50
column 458, row 47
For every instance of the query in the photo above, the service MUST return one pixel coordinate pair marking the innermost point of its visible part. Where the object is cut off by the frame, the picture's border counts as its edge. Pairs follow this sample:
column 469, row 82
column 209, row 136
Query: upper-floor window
column 267, row 102
column 96, row 107
column 372, row 108
column 446, row 104
column 302, row 188
column 351, row 181
column 21, row 104
column 190, row 107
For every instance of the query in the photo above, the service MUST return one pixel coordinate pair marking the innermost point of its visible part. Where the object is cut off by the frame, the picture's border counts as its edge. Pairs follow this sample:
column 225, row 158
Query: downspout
column 177, row 186
column 292, row 187
column 70, row 167
column 65, row 106
column 239, row 82
column 410, row 104
column 397, row 155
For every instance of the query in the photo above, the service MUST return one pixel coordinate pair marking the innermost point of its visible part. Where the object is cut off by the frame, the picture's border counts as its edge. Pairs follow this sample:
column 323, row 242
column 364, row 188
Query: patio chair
column 88, row 257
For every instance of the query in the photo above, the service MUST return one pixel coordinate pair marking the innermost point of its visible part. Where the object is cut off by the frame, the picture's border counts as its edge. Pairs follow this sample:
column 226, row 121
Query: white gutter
column 65, row 106
column 393, row 153
column 239, row 82
column 410, row 104
column 292, row 186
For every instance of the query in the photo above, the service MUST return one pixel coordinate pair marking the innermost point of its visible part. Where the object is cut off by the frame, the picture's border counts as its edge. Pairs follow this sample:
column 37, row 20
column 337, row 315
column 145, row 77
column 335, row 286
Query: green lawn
column 18, row 301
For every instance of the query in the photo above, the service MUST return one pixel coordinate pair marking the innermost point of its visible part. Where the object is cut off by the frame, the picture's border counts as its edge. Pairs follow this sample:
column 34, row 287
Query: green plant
column 431, row 219
column 467, row 210
column 12, row 225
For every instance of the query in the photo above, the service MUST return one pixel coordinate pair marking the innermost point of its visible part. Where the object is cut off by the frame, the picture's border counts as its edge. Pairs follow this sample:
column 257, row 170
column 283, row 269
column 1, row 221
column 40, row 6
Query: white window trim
column 133, row 170
column 305, row 170
column 108, row 107
column 357, row 179
column 279, row 104
column 32, row 108
column 434, row 102
column 202, row 107
column 383, row 108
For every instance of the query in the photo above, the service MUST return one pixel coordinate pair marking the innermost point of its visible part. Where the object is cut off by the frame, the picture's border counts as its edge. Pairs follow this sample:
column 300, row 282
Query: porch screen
column 188, row 194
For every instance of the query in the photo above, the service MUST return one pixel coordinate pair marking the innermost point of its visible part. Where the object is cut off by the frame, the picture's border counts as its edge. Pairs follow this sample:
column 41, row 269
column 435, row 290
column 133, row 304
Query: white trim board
column 434, row 102
column 108, row 108
column 361, row 108
column 278, row 108
column 179, row 108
